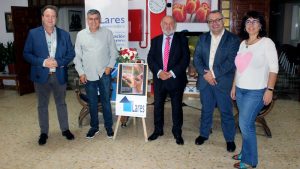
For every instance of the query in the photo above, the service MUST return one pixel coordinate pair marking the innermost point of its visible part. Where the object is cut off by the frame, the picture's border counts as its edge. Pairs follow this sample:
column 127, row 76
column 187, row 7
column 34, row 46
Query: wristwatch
column 271, row 89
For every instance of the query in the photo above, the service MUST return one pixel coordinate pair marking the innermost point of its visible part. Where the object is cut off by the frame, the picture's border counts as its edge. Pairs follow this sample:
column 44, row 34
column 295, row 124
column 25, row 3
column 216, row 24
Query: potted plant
column 7, row 56
column 2, row 57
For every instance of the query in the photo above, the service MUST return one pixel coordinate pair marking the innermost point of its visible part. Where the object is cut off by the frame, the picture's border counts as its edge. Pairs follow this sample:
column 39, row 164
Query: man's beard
column 169, row 33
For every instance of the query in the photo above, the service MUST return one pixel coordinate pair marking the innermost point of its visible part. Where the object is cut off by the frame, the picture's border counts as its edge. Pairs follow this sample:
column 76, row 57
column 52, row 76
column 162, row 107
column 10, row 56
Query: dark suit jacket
column 223, row 67
column 179, row 59
column 36, row 51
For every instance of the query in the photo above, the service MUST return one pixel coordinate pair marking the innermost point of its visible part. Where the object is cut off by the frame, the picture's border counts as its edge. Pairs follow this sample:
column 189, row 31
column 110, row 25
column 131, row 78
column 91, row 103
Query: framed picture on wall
column 75, row 20
column 191, row 14
column 8, row 22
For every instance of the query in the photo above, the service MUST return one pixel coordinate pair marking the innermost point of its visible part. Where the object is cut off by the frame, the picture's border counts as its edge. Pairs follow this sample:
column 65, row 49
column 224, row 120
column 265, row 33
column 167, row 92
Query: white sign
column 131, row 105
column 131, row 97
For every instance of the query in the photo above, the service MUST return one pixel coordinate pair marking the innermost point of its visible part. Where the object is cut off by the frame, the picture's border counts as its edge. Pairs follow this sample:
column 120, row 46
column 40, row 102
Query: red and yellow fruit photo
column 194, row 11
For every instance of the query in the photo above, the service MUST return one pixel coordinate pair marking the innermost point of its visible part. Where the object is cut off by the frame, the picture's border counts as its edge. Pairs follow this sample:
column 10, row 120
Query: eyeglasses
column 211, row 21
column 252, row 22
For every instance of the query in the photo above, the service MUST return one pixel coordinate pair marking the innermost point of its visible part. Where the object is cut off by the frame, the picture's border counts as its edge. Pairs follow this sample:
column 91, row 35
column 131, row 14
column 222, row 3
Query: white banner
column 132, row 89
column 114, row 16
column 131, row 105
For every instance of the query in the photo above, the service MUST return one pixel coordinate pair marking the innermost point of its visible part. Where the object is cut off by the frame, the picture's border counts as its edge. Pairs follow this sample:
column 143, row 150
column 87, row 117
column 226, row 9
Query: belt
column 51, row 73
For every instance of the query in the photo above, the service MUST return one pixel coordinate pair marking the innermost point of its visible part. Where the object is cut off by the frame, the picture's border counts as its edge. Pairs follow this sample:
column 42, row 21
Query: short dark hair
column 255, row 15
column 213, row 12
column 54, row 8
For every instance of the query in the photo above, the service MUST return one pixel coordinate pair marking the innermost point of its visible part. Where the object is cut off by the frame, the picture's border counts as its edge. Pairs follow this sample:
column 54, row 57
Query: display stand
column 131, row 97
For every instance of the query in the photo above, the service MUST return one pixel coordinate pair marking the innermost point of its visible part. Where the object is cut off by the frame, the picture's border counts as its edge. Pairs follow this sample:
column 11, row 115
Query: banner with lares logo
column 114, row 16
column 131, row 97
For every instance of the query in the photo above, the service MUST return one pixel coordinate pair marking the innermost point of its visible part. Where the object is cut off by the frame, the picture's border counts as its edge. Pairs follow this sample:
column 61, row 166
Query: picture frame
column 194, row 20
column 132, row 79
column 8, row 22
column 75, row 20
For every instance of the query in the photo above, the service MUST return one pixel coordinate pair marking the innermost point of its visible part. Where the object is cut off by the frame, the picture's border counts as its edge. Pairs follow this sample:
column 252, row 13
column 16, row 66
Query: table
column 6, row 76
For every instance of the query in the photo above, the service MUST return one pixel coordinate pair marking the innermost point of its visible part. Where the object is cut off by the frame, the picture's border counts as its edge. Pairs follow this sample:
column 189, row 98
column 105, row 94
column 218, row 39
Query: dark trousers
column 43, row 92
column 160, row 94
column 210, row 97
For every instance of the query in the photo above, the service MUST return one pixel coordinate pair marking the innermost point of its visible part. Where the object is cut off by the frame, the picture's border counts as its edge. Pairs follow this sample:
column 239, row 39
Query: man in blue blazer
column 214, row 61
column 168, row 59
column 49, row 50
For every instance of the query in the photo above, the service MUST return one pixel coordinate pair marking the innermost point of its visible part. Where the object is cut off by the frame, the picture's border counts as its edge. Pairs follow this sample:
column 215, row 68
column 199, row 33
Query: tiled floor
column 19, row 134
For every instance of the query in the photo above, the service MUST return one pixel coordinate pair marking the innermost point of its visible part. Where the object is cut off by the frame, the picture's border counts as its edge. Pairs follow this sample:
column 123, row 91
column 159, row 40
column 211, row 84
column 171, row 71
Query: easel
column 134, row 123
column 143, row 94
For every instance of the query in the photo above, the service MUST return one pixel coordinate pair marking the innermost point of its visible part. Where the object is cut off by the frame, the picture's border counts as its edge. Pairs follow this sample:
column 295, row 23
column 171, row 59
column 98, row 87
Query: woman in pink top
column 256, row 73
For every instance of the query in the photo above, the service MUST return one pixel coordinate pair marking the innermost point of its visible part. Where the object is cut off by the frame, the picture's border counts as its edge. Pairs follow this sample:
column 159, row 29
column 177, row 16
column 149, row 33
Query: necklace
column 251, row 42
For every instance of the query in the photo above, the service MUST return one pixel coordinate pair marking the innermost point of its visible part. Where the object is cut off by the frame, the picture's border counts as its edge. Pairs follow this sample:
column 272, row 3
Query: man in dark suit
column 168, row 59
column 49, row 50
column 214, row 61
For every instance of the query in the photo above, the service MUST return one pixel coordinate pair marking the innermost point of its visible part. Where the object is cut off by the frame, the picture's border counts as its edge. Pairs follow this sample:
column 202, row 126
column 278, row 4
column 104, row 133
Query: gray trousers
column 43, row 94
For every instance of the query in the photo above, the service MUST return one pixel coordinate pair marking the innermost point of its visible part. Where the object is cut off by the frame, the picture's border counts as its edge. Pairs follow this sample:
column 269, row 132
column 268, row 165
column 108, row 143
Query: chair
column 83, row 101
column 260, row 119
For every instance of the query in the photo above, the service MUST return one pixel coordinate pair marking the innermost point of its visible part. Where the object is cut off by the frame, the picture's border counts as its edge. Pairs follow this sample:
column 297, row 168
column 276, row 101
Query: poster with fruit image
column 191, row 14
column 194, row 11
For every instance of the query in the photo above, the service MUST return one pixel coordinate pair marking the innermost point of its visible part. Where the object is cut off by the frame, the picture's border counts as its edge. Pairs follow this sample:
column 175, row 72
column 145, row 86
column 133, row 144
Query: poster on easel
column 131, row 99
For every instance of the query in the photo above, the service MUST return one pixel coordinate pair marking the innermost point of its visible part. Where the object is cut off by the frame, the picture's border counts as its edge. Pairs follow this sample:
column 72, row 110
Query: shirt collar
column 171, row 36
column 222, row 33
column 54, row 30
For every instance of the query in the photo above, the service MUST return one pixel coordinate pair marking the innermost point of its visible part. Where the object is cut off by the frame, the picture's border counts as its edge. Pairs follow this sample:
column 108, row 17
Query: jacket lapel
column 58, row 41
column 173, row 46
column 207, row 47
column 220, row 46
column 43, row 40
column 160, row 50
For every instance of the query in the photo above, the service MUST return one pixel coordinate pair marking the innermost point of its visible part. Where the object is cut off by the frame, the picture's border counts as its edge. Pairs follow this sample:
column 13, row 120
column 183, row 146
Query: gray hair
column 94, row 12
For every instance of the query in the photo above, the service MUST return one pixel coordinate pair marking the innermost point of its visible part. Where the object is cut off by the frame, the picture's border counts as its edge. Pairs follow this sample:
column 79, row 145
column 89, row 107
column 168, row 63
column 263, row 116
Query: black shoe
column 109, row 132
column 43, row 139
column 231, row 146
column 155, row 135
column 92, row 132
column 179, row 140
column 68, row 135
column 200, row 140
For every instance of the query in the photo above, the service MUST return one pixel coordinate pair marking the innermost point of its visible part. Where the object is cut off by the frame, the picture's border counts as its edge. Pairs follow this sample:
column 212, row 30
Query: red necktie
column 166, row 53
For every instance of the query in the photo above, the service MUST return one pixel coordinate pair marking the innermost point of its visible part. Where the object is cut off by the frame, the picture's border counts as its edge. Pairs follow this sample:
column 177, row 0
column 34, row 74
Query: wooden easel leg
column 145, row 130
column 117, row 126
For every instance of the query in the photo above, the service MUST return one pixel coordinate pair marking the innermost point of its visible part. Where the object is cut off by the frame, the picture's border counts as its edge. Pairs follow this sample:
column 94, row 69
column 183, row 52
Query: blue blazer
column 36, row 51
column 223, row 67
column 179, row 59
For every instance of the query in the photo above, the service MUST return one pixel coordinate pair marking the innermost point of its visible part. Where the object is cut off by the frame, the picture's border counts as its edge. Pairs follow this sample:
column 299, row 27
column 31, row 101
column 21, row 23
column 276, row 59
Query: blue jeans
column 249, row 103
column 91, row 87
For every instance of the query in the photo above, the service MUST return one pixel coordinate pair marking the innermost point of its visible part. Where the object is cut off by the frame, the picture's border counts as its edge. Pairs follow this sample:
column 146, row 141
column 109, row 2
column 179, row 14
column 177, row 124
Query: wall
column 5, row 7
column 141, row 4
column 4, row 36
column 63, row 20
column 287, row 25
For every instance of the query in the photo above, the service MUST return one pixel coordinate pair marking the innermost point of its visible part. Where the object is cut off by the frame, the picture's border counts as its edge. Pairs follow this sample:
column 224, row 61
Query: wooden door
column 24, row 19
column 241, row 7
